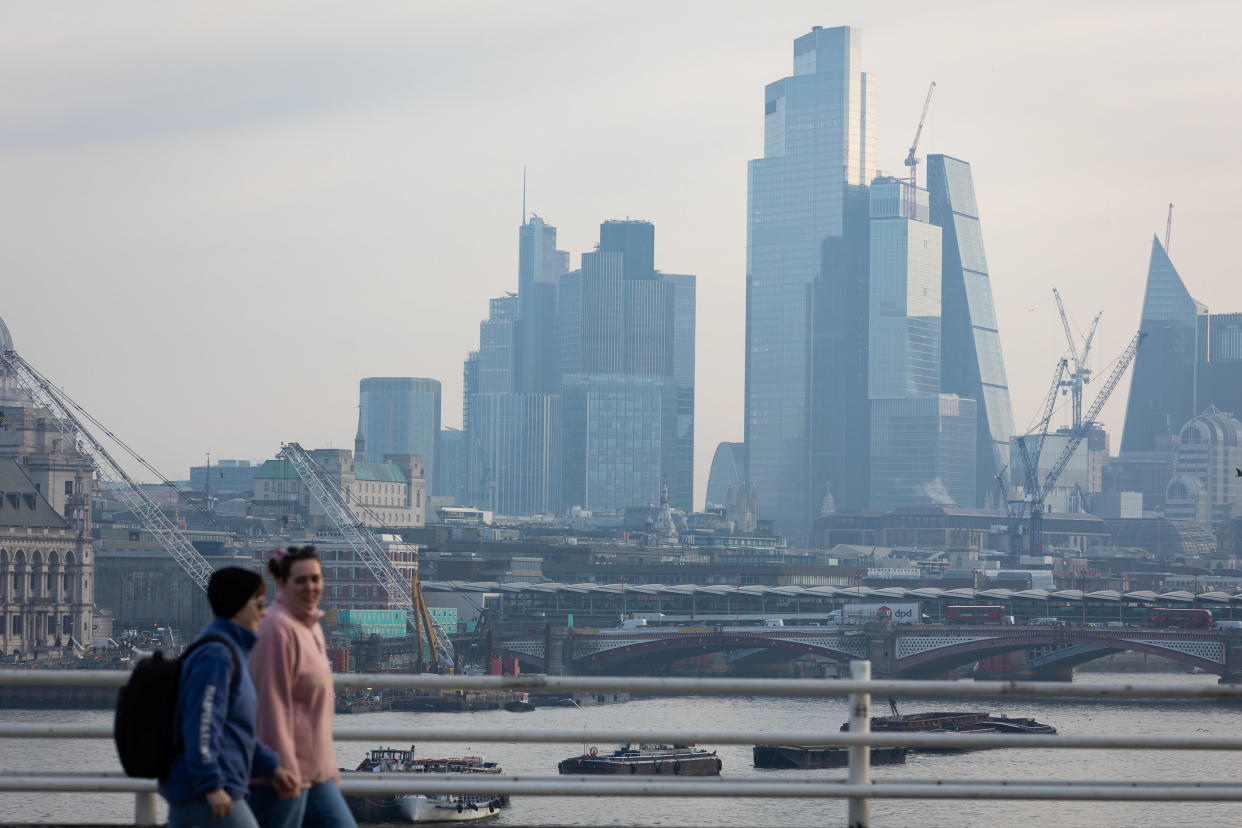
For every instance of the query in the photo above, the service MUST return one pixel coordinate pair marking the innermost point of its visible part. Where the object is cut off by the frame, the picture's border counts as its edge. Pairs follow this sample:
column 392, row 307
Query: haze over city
column 214, row 224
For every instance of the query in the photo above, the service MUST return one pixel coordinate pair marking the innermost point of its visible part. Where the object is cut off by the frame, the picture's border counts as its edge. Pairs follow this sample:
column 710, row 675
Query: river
column 1069, row 717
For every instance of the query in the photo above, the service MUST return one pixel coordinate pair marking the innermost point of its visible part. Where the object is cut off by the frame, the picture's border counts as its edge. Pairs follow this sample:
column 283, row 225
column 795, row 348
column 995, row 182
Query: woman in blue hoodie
column 218, row 755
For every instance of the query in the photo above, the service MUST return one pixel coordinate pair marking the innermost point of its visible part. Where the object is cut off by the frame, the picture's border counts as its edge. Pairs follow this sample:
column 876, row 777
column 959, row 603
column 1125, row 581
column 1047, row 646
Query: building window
column 68, row 487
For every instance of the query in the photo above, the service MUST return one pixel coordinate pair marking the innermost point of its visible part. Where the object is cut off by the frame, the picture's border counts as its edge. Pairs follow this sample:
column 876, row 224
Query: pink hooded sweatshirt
column 294, row 682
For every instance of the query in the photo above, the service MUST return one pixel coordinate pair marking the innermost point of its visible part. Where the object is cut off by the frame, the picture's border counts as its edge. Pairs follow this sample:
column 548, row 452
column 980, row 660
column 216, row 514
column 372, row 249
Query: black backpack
column 145, row 730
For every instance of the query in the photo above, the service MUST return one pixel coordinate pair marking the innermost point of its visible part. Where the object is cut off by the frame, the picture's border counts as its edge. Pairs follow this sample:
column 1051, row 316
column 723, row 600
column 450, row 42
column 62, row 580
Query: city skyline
column 211, row 227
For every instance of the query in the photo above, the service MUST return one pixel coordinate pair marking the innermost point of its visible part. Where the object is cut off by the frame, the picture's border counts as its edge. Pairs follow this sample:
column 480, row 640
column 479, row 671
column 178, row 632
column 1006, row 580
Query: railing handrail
column 691, row 686
column 402, row 735
column 859, row 788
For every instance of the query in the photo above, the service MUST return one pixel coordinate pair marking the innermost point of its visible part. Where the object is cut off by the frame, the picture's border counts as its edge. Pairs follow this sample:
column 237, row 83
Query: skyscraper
column 1162, row 390
column 622, row 321
column 401, row 415
column 922, row 441
column 540, row 266
column 819, row 152
column 1218, row 377
column 971, row 362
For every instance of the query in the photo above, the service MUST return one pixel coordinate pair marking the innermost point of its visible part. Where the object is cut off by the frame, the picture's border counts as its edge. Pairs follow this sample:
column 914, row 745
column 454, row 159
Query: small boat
column 645, row 760
column 519, row 703
column 416, row 808
column 820, row 756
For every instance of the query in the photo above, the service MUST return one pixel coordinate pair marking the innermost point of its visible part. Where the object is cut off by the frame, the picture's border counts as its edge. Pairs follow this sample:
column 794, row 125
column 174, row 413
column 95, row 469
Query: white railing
column 857, row 788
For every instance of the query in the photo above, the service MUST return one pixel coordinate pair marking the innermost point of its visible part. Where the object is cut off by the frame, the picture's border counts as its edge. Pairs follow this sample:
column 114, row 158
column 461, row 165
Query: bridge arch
column 931, row 654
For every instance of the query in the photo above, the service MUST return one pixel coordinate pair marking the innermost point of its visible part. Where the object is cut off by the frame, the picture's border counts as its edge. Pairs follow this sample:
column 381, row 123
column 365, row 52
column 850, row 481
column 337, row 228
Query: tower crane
column 1030, row 459
column 1080, row 374
column 1168, row 229
column 403, row 595
column 61, row 411
column 1077, row 435
column 912, row 160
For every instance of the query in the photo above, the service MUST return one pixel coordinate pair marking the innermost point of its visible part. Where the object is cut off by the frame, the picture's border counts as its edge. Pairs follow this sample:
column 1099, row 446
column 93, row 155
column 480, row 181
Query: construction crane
column 403, row 595
column 60, row 409
column 912, row 160
column 1076, row 437
column 1168, row 229
column 1030, row 459
column 1080, row 374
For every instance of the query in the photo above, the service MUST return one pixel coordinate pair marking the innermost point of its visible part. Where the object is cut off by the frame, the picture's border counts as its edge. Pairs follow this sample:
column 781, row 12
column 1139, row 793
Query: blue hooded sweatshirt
column 215, row 726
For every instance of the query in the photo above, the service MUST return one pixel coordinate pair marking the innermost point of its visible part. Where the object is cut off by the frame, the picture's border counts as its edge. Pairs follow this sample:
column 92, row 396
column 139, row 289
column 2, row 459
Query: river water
column 1069, row 717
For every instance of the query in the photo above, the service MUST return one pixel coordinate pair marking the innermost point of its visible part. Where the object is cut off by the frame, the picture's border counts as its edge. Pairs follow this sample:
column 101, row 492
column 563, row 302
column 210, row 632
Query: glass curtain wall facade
column 922, row 451
column 401, row 415
column 619, row 317
column 819, row 142
column 1162, row 388
column 614, row 426
column 1218, row 380
column 540, row 267
column 971, row 362
column 516, row 445
column 680, row 469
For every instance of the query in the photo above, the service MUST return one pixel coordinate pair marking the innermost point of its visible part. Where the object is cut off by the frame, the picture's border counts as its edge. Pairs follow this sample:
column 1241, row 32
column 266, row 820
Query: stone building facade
column 46, row 560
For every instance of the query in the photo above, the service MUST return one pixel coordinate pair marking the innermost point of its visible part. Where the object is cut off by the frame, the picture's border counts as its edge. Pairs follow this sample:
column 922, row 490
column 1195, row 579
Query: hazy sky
column 216, row 218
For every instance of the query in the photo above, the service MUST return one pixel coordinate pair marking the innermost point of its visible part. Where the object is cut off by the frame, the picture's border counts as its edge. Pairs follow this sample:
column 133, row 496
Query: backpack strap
column 234, row 675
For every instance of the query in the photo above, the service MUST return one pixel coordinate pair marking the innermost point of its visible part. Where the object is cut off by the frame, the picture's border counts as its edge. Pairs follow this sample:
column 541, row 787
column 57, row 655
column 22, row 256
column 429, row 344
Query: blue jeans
column 320, row 806
column 196, row 813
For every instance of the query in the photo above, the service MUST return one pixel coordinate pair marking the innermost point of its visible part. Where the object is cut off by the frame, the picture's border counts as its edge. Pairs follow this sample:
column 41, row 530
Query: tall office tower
column 615, row 427
column 512, row 438
column 621, row 319
column 516, row 442
column 679, row 470
column 904, row 309
column 497, row 346
column 1218, row 378
column 971, row 362
column 540, row 266
column 401, row 415
column 919, row 451
column 819, row 151
column 1162, row 390
column 451, row 480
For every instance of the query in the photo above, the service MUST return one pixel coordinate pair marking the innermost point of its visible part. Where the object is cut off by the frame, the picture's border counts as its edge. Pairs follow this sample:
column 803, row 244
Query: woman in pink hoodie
column 294, row 681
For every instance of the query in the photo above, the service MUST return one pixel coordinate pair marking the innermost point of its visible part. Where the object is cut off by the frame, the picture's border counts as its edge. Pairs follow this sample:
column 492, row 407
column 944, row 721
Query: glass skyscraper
column 819, row 148
column 922, row 441
column 971, row 362
column 1218, row 378
column 515, row 444
column 620, row 318
column 401, row 415
column 1162, row 390
column 614, row 430
column 540, row 267
column 922, row 451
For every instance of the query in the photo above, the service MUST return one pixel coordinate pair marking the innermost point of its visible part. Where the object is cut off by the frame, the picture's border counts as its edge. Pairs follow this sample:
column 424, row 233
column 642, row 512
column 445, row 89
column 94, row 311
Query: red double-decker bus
column 1187, row 619
column 975, row 614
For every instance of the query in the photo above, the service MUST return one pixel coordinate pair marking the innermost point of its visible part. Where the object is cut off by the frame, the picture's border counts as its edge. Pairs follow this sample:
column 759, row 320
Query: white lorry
column 898, row 612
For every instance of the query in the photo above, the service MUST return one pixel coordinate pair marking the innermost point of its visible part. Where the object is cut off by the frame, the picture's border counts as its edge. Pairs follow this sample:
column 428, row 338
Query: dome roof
column 6, row 341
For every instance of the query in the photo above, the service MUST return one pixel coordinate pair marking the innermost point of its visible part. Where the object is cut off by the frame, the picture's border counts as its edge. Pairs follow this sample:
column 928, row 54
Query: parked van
column 1044, row 621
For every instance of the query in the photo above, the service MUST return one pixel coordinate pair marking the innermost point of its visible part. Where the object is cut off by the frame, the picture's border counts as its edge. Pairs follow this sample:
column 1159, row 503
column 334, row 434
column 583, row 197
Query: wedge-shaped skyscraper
column 1162, row 392
column 971, row 363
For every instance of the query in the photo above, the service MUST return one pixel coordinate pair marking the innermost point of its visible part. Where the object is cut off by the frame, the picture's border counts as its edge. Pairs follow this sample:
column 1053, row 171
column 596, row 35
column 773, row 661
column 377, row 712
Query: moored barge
column 820, row 756
column 645, row 760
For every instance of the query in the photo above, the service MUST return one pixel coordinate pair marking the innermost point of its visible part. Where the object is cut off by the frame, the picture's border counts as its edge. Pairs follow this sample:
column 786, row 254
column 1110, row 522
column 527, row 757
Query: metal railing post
column 860, row 755
column 144, row 808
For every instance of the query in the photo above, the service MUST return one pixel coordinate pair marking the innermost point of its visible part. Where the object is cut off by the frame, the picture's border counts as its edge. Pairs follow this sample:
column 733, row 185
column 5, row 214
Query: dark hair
column 281, row 561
